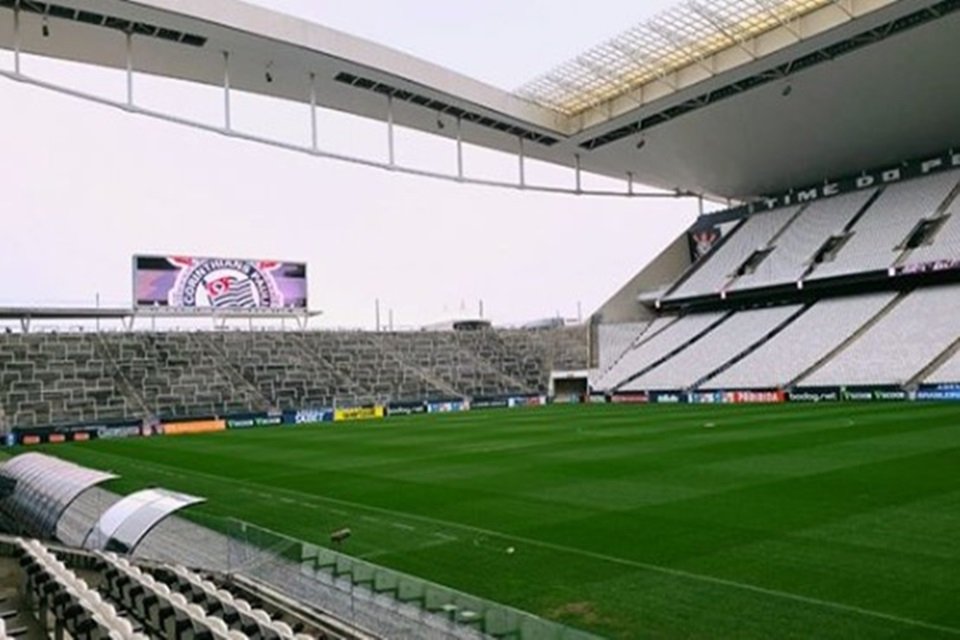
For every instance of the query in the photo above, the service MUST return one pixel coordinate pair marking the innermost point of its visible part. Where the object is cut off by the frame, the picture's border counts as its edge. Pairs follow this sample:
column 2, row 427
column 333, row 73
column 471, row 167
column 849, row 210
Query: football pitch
column 789, row 521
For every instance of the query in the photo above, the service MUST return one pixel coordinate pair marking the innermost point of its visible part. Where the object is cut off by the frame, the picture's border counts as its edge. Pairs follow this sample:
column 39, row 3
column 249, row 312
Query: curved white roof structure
column 724, row 98
column 685, row 35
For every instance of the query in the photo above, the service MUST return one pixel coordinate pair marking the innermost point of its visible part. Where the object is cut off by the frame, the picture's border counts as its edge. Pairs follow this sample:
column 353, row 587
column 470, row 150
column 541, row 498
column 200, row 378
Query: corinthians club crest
column 225, row 284
column 703, row 241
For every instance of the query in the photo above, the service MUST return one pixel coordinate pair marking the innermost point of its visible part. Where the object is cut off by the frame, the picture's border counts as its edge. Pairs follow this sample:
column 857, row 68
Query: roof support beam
column 605, row 76
column 314, row 135
column 722, row 28
column 227, row 124
column 640, row 59
column 129, row 68
column 695, row 32
column 765, row 5
column 682, row 43
column 459, row 148
column 521, row 157
column 578, row 179
column 16, row 38
column 842, row 5
column 391, row 151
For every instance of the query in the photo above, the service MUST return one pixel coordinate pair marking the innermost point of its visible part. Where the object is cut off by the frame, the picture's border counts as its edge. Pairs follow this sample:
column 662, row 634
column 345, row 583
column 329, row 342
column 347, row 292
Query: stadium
column 755, row 436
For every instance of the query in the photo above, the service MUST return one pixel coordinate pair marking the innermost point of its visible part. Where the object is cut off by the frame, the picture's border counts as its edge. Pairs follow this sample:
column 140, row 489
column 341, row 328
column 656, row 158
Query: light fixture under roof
column 92, row 18
column 442, row 108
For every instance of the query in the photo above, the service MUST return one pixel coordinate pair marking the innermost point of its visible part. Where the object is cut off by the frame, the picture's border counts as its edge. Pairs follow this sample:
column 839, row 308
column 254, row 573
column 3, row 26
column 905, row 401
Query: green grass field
column 839, row 521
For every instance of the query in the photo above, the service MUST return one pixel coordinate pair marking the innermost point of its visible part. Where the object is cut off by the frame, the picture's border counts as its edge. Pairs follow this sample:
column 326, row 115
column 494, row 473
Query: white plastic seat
column 261, row 616
column 196, row 611
column 217, row 625
column 283, row 628
column 124, row 625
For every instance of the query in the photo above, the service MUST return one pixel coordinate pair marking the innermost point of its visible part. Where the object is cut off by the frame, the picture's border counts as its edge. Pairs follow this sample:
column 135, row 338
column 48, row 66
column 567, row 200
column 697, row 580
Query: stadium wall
column 949, row 392
column 660, row 273
column 93, row 380
column 876, row 393
column 343, row 416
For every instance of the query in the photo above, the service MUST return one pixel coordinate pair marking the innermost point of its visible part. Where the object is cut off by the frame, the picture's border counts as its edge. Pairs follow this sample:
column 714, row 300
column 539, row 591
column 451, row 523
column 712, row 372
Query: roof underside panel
column 676, row 38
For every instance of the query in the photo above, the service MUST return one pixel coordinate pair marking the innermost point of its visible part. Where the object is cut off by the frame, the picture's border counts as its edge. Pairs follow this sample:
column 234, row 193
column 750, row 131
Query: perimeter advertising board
column 494, row 402
column 527, row 401
column 630, row 398
column 815, row 394
column 933, row 266
column 873, row 394
column 307, row 416
column 450, row 406
column 667, row 397
column 406, row 408
column 866, row 179
column 179, row 283
column 253, row 420
column 939, row 393
column 76, row 432
column 193, row 427
column 358, row 413
column 763, row 396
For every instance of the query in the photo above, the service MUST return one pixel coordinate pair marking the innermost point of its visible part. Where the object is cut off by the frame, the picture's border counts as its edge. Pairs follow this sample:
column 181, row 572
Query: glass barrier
column 352, row 588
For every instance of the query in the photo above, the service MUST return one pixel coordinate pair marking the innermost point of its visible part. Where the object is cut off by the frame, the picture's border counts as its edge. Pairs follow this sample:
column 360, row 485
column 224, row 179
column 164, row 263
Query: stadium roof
column 727, row 98
column 684, row 35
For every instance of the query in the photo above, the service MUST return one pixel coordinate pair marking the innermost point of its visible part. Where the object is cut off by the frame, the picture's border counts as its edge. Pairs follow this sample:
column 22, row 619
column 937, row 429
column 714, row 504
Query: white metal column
column 391, row 155
column 459, row 148
column 522, row 160
column 16, row 38
column 129, row 69
column 314, row 138
column 226, row 91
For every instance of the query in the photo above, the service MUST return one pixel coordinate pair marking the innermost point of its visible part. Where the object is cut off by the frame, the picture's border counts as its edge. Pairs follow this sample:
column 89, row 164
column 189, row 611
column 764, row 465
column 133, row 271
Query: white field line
column 679, row 573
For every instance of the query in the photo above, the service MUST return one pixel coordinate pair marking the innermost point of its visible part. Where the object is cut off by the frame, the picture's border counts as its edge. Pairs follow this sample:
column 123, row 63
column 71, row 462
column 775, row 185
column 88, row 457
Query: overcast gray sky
column 85, row 187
